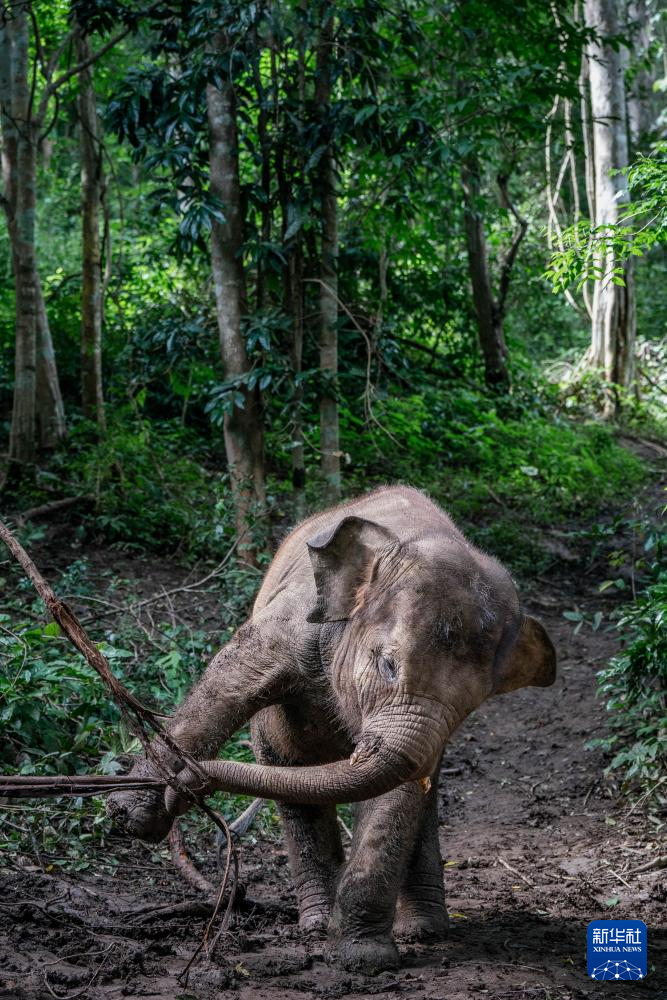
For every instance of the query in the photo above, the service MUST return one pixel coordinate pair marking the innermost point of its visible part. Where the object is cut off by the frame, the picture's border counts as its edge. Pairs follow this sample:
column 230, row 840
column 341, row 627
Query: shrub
column 635, row 683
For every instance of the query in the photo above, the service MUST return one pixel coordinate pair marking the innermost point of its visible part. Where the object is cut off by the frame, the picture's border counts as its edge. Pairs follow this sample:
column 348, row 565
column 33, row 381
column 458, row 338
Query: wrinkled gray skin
column 377, row 630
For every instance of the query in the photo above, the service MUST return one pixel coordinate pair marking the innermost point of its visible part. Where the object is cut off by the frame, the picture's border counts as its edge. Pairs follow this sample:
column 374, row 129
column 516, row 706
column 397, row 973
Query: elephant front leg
column 421, row 911
column 360, row 931
column 243, row 677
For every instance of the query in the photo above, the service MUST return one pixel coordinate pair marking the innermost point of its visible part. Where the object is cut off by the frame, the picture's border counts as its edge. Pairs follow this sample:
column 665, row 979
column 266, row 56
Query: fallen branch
column 21, row 786
column 524, row 878
column 655, row 865
column 184, row 865
column 46, row 509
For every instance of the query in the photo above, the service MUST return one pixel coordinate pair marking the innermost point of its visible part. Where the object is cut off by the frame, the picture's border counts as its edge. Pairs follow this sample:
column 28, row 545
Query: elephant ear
column 342, row 558
column 531, row 662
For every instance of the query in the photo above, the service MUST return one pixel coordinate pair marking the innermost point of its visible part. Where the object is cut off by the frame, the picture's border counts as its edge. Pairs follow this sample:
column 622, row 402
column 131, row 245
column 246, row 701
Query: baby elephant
column 377, row 630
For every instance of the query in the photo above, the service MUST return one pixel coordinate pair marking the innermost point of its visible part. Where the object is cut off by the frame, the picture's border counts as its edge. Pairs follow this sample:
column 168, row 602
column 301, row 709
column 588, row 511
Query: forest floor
column 535, row 842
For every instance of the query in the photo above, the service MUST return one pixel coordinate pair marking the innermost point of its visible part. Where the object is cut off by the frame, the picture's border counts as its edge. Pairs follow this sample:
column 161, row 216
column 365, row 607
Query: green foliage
column 634, row 683
column 148, row 488
column 597, row 253
column 467, row 447
column 55, row 713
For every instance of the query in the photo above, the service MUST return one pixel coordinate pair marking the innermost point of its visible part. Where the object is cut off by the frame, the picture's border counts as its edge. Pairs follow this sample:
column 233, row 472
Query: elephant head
column 415, row 635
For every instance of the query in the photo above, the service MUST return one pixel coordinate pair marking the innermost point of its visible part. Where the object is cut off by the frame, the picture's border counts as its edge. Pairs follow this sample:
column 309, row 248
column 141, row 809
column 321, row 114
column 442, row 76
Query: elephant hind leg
column 312, row 835
column 312, row 838
column 421, row 912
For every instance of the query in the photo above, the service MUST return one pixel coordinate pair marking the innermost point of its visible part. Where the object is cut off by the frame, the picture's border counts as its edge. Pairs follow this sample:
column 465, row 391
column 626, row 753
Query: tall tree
column 613, row 308
column 92, row 188
column 328, row 291
column 242, row 419
column 19, row 170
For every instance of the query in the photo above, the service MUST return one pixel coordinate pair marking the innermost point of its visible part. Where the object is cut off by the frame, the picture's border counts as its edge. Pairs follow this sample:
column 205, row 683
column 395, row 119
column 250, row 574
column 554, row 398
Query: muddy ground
column 536, row 844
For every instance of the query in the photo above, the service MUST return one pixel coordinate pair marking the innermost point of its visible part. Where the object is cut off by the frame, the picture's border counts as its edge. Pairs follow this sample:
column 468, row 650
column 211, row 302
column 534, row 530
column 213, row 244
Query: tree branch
column 56, row 84
column 508, row 263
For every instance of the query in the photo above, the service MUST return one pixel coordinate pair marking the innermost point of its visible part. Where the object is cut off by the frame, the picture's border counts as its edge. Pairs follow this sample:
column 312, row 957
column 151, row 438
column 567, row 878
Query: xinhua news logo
column 616, row 949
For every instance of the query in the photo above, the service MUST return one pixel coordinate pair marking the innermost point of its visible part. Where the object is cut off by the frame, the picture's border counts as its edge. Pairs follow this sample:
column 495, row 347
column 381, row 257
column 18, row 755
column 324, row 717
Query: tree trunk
column 489, row 317
column 92, row 185
column 293, row 272
column 328, row 289
column 295, row 293
column 613, row 322
column 37, row 410
column 242, row 425
column 51, row 425
column 639, row 98
column 19, row 160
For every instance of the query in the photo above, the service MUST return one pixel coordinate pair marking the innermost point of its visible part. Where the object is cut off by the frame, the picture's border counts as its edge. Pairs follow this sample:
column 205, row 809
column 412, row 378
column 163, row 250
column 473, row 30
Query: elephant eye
column 387, row 669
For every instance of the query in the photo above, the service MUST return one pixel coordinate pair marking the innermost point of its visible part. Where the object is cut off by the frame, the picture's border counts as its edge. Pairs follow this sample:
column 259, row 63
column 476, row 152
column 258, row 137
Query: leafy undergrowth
column 55, row 714
column 634, row 683
column 504, row 469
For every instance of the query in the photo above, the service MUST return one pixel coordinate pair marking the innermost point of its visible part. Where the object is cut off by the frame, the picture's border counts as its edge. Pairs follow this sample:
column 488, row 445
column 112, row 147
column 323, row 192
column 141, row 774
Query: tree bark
column 50, row 411
column 92, row 186
column 289, row 175
column 639, row 98
column 489, row 317
column 242, row 425
column 613, row 321
column 37, row 411
column 21, row 166
column 328, row 288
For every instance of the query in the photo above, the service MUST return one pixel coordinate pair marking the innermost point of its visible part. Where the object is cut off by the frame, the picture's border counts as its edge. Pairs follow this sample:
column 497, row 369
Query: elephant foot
column 415, row 923
column 367, row 955
column 315, row 919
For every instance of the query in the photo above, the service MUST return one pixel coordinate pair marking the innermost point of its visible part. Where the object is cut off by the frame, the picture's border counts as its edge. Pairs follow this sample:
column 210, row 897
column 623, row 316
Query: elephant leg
column 315, row 854
column 312, row 835
column 421, row 910
column 360, row 930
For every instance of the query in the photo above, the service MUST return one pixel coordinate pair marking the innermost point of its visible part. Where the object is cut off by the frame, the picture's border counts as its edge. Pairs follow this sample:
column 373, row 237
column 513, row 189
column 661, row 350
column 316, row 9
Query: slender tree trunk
column 20, row 179
column 92, row 186
column 293, row 273
column 243, row 425
column 51, row 425
column 328, row 289
column 613, row 322
column 489, row 317
column 37, row 412
column 295, row 293
column 639, row 97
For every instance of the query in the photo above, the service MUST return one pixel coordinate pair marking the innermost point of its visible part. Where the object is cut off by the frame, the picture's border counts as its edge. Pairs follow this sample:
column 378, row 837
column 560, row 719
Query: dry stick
column 80, row 993
column 509, row 868
column 132, row 710
column 21, row 786
column 655, row 865
column 46, row 509
column 183, row 862
column 183, row 588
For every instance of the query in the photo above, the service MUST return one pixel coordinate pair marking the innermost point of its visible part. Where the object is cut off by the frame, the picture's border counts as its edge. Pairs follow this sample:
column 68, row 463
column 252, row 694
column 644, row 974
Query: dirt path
column 534, row 847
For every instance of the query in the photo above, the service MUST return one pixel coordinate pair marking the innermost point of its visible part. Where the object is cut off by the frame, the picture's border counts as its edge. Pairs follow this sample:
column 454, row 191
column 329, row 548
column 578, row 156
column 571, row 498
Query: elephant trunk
column 373, row 769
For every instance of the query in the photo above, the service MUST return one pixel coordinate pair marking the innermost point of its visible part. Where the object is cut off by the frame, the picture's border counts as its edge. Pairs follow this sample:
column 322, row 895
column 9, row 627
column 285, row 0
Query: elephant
column 377, row 630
